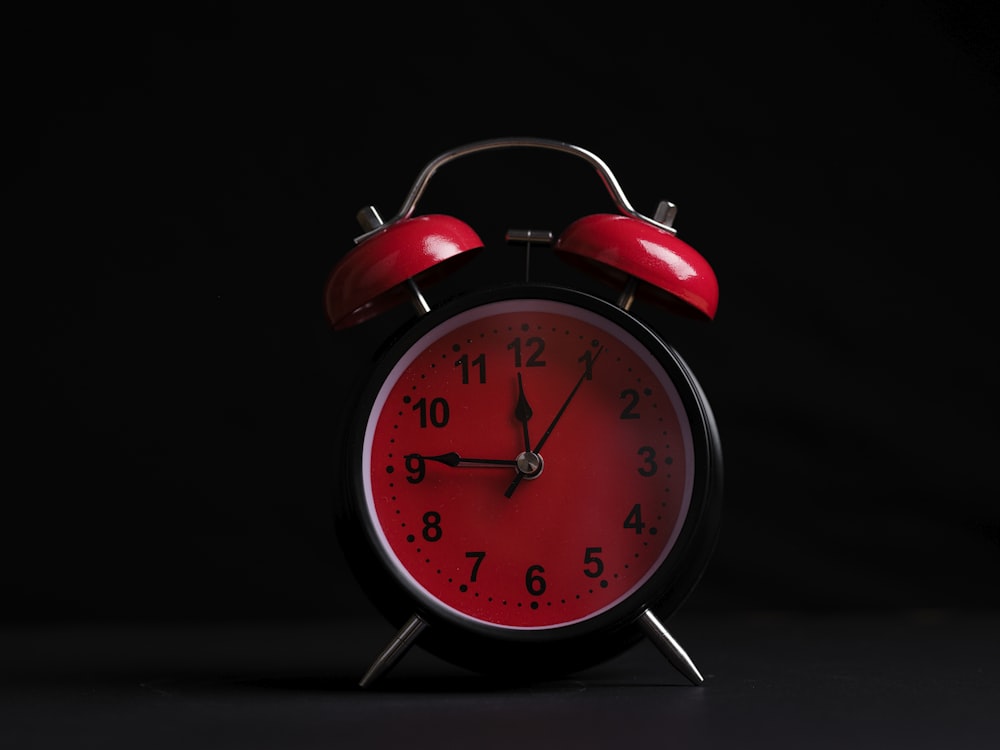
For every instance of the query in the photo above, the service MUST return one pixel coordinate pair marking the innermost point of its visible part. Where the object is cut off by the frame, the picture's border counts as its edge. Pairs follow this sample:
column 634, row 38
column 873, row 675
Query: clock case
column 532, row 654
column 639, row 255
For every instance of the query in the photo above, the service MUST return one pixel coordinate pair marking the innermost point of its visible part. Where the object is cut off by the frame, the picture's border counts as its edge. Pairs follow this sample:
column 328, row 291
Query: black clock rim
column 490, row 649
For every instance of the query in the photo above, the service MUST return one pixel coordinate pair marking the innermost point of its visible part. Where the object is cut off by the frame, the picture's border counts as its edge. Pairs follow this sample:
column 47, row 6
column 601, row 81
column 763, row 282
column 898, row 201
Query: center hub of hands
column 530, row 464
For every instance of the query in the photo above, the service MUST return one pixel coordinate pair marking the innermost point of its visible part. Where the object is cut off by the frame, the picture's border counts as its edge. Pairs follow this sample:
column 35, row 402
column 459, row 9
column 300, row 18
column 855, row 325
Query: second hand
column 545, row 436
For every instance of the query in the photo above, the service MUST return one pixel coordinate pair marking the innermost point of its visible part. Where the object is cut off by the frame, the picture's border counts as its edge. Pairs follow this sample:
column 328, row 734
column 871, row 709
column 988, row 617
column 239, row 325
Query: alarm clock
column 531, row 476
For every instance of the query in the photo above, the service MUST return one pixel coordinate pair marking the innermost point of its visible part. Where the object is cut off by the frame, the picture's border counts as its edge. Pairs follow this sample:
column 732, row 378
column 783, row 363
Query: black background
column 179, row 181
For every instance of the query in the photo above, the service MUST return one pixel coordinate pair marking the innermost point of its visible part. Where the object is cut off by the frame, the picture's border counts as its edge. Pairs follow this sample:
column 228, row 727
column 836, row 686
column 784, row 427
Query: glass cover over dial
column 527, row 464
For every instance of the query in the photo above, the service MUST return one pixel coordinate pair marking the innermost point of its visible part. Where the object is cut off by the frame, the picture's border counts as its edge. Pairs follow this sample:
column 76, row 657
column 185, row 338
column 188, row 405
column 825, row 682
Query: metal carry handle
column 664, row 214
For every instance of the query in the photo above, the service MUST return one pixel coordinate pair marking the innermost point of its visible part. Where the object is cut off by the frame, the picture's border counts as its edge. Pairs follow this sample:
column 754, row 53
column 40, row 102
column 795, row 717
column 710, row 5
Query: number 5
column 590, row 558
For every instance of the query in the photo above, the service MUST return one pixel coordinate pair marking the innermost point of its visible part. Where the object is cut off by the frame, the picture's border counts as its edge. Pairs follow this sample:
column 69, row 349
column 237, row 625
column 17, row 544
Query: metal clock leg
column 669, row 647
column 395, row 649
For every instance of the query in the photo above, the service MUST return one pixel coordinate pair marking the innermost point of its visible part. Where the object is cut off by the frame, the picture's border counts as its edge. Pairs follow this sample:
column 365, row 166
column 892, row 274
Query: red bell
column 618, row 247
column 373, row 276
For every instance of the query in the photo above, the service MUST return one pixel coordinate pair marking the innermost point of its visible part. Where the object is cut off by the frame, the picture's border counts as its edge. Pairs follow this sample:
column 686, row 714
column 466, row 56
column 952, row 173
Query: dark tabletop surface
column 915, row 679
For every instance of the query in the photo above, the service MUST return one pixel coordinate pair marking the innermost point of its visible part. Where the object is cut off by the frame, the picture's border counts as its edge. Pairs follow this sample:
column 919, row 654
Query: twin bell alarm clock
column 531, row 476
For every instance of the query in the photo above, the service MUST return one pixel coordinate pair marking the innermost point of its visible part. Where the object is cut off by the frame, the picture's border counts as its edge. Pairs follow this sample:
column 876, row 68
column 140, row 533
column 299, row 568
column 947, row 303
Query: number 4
column 634, row 519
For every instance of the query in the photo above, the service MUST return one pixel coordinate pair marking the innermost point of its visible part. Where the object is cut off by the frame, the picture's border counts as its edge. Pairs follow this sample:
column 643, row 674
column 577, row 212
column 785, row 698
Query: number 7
column 475, row 566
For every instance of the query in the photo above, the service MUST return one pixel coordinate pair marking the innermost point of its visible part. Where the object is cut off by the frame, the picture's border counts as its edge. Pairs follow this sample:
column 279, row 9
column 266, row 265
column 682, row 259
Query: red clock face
column 527, row 465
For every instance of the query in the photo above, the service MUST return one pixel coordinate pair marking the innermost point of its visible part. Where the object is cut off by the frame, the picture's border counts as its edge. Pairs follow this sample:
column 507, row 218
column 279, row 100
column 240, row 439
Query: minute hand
column 555, row 420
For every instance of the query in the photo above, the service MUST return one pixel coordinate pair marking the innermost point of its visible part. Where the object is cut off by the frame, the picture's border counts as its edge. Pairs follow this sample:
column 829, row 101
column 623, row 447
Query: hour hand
column 453, row 459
